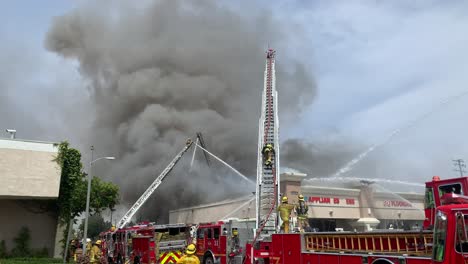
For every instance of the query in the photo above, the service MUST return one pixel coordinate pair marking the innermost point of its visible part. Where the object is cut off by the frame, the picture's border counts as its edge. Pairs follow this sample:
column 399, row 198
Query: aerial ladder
column 145, row 196
column 128, row 216
column 268, row 164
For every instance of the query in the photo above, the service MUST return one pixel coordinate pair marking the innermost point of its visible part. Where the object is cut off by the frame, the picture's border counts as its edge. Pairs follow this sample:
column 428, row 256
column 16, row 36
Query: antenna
column 459, row 165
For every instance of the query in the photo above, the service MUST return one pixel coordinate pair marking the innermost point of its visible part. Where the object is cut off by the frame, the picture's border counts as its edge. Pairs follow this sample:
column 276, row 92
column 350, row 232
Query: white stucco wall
column 27, row 169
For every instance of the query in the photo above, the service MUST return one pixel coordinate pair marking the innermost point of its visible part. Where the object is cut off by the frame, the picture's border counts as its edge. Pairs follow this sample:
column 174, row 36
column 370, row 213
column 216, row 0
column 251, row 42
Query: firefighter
column 302, row 209
column 267, row 153
column 189, row 257
column 88, row 246
column 78, row 252
column 285, row 211
column 235, row 239
column 96, row 253
column 71, row 250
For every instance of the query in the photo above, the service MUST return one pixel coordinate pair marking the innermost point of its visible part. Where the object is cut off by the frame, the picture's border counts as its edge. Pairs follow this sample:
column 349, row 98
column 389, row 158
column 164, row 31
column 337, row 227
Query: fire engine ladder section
column 267, row 189
column 128, row 216
column 410, row 243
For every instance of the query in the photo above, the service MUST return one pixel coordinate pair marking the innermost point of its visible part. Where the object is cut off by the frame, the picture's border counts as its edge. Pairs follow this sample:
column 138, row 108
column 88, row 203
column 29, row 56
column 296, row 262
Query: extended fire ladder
column 267, row 190
column 128, row 216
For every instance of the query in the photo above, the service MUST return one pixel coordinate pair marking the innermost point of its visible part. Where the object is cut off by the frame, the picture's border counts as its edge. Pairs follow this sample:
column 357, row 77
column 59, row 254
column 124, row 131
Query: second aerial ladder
column 267, row 190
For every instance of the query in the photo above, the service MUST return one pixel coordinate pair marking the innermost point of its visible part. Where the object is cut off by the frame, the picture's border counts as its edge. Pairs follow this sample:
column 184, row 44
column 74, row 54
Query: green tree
column 96, row 225
column 69, row 160
column 73, row 188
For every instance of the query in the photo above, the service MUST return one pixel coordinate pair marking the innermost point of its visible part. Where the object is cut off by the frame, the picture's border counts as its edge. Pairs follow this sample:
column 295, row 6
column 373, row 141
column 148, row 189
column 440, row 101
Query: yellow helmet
column 113, row 228
column 235, row 232
column 301, row 197
column 98, row 242
column 191, row 249
column 284, row 199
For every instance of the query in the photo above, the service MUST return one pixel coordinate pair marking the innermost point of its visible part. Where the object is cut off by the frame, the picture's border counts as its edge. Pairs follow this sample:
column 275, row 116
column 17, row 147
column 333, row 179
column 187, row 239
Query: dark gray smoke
column 319, row 159
column 160, row 74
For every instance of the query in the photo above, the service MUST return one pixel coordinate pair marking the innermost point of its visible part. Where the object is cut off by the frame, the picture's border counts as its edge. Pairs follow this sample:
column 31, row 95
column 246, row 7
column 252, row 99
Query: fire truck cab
column 435, row 190
column 117, row 245
column 224, row 242
column 146, row 243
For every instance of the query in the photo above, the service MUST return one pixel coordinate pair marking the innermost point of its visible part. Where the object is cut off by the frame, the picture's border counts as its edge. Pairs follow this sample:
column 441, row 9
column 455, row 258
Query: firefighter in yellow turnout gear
column 190, row 257
column 96, row 253
column 285, row 210
column 267, row 153
column 302, row 213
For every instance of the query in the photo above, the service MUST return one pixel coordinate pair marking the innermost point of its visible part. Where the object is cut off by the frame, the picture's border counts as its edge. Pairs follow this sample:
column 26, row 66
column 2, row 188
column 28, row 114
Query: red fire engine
column 146, row 243
column 446, row 243
column 222, row 242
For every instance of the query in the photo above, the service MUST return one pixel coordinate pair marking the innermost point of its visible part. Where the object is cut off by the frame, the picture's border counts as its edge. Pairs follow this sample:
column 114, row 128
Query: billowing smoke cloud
column 318, row 159
column 161, row 73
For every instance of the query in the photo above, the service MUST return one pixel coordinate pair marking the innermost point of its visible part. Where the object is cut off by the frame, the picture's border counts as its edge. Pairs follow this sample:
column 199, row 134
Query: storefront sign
column 393, row 203
column 329, row 200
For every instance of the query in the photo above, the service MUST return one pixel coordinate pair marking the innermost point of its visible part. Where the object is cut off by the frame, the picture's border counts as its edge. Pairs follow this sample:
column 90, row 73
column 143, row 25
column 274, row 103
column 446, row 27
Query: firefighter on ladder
column 285, row 210
column 189, row 257
column 302, row 209
column 267, row 153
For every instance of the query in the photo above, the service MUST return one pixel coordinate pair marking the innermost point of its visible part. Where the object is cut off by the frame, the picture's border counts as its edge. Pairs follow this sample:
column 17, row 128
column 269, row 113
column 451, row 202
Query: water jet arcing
column 349, row 166
column 229, row 166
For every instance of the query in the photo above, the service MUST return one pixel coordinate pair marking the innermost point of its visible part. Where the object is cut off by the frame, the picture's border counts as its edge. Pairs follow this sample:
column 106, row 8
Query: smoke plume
column 161, row 73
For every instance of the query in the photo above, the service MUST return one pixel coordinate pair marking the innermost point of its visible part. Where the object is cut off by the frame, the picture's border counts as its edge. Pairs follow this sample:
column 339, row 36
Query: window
column 209, row 233
column 440, row 231
column 450, row 188
column 216, row 233
column 201, row 233
column 461, row 238
column 429, row 199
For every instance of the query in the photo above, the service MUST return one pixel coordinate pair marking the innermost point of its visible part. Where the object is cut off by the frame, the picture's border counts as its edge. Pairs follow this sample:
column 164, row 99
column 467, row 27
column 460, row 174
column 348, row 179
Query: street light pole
column 88, row 195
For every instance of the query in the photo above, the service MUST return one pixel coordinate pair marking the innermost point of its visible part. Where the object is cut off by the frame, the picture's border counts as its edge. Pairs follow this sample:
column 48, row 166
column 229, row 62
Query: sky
column 379, row 66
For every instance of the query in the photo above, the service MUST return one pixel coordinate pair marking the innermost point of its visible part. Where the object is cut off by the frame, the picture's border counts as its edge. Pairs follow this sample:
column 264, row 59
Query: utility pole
column 459, row 165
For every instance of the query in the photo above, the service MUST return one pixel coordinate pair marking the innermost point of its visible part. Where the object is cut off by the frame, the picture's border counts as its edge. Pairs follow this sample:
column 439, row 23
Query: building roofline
column 240, row 199
column 28, row 145
column 28, row 140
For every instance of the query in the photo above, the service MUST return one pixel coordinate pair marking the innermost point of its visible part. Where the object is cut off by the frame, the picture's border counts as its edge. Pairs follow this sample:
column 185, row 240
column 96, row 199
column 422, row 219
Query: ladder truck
column 268, row 163
column 119, row 240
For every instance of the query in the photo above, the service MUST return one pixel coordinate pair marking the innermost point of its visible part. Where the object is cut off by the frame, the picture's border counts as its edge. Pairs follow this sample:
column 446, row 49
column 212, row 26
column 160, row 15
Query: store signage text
column 329, row 200
column 392, row 203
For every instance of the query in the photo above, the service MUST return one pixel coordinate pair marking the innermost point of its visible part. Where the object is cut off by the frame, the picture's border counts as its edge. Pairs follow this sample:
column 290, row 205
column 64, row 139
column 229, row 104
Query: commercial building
column 30, row 183
column 359, row 206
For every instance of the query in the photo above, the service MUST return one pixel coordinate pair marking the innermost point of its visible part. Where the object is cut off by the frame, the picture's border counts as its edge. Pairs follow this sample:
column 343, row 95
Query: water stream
column 349, row 166
column 229, row 166
column 348, row 179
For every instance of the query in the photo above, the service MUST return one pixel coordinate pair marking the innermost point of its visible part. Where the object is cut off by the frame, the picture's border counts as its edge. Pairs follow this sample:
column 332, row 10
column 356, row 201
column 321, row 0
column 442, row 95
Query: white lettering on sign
column 391, row 203
column 329, row 200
